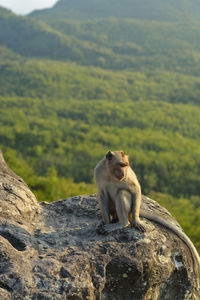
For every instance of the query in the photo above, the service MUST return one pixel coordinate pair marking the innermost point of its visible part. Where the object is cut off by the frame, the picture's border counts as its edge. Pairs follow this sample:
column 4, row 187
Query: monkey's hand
column 138, row 224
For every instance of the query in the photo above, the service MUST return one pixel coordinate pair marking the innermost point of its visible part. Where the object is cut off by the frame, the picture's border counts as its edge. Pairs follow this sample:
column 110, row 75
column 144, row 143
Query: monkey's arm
column 179, row 233
column 104, row 206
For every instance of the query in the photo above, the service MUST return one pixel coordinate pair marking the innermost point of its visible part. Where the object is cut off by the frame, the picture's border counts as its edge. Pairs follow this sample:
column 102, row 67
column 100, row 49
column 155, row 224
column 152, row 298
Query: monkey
column 113, row 175
column 119, row 197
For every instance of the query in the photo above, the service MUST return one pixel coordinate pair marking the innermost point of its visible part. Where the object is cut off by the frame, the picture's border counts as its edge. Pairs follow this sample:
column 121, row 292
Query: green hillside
column 57, row 80
column 7, row 55
column 139, row 45
column 159, row 10
column 77, row 81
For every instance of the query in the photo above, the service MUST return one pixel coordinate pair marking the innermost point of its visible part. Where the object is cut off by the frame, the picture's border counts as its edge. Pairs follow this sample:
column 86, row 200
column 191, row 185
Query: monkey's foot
column 108, row 228
column 138, row 225
column 100, row 228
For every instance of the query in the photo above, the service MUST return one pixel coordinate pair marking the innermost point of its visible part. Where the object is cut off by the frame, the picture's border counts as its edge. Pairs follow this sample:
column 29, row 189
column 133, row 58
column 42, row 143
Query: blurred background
column 81, row 77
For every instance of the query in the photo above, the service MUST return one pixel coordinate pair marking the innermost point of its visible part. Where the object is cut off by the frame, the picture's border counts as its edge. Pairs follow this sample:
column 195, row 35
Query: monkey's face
column 117, row 163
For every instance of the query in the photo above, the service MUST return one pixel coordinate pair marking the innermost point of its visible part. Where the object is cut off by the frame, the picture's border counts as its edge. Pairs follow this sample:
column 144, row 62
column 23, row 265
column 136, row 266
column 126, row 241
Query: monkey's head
column 117, row 163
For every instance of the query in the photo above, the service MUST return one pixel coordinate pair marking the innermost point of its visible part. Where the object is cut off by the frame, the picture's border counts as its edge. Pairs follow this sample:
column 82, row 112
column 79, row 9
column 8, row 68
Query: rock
column 52, row 251
column 17, row 202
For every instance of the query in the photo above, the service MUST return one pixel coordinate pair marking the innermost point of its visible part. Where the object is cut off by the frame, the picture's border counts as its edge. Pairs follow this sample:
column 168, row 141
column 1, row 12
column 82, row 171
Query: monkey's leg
column 135, row 222
column 123, row 207
column 104, row 207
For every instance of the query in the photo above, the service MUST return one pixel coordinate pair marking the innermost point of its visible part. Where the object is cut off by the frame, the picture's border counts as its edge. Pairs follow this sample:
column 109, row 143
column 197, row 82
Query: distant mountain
column 32, row 38
column 159, row 10
column 111, row 43
column 132, row 33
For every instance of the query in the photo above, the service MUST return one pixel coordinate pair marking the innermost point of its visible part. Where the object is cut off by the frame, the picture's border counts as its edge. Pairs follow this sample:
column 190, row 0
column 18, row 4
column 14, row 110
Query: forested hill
column 31, row 38
column 159, row 10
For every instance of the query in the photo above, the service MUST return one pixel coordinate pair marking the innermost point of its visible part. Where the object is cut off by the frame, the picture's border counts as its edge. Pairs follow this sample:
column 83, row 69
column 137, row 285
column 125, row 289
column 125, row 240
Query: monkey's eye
column 123, row 165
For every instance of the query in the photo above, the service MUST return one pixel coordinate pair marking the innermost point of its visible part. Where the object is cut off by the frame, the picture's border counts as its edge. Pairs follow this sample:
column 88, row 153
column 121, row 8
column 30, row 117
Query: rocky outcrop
column 52, row 251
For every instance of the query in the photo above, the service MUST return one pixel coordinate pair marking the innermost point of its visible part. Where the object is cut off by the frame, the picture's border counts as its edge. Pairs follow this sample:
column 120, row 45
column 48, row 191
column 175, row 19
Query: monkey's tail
column 179, row 233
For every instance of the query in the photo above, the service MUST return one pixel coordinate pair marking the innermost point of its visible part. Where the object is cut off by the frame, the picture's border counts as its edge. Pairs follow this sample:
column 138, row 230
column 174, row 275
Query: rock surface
column 52, row 251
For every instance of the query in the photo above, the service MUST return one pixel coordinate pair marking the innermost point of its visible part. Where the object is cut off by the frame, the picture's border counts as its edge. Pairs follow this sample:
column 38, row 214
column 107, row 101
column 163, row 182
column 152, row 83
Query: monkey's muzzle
column 119, row 174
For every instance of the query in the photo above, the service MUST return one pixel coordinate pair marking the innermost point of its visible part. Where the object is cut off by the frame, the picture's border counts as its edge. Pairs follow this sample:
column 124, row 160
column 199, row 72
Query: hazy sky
column 26, row 6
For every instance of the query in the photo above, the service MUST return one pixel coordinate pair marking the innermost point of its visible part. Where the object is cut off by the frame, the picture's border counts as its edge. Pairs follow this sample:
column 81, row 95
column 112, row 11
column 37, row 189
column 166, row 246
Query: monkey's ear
column 109, row 155
column 122, row 153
